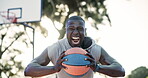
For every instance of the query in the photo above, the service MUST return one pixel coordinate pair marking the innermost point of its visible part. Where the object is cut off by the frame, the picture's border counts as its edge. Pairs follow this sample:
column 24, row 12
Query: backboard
column 19, row 11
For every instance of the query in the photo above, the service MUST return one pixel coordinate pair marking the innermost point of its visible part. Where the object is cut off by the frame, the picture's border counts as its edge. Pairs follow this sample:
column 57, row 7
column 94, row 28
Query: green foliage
column 140, row 72
column 60, row 10
column 11, row 39
column 56, row 10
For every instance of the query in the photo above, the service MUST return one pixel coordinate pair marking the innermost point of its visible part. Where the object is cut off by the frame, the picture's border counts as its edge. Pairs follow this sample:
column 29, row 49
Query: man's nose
column 75, row 31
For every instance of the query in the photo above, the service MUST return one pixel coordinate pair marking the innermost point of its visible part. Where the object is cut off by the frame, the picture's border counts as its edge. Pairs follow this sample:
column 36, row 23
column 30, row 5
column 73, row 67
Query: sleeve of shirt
column 53, row 52
column 96, row 52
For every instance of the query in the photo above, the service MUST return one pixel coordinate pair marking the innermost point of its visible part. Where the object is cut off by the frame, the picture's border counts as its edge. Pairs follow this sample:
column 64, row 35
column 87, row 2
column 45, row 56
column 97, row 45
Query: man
column 101, row 61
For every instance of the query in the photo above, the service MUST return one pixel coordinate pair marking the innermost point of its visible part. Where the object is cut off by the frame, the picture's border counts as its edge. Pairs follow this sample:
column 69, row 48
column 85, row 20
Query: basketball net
column 7, row 17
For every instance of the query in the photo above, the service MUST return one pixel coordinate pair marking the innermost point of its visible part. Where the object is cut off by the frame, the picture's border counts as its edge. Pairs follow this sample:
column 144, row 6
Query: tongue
column 75, row 41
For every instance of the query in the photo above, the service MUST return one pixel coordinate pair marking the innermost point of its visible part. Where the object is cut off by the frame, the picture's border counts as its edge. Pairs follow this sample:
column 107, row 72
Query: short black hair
column 75, row 18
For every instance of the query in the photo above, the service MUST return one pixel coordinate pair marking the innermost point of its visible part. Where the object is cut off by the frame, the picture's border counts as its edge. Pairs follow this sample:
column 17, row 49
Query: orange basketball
column 75, row 50
column 76, row 63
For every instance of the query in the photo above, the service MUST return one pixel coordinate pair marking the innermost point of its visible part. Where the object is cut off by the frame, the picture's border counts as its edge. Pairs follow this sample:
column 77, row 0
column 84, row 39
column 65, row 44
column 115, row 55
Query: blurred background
column 119, row 26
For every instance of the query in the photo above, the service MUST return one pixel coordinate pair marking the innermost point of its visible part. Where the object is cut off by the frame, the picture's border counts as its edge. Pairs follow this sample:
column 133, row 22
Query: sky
column 126, row 40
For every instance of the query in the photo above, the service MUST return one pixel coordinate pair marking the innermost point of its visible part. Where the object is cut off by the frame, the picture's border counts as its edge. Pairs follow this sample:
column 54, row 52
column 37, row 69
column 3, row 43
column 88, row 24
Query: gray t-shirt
column 57, row 48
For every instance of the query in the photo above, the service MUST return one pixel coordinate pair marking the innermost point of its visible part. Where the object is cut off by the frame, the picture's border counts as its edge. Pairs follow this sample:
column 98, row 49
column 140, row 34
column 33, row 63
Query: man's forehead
column 80, row 22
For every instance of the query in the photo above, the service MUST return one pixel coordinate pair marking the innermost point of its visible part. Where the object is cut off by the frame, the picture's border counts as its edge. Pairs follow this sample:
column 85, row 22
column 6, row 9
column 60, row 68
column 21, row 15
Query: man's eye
column 71, row 29
column 80, row 29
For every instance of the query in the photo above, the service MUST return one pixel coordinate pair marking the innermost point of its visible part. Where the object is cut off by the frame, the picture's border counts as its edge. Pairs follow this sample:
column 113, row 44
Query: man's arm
column 38, row 68
column 110, row 66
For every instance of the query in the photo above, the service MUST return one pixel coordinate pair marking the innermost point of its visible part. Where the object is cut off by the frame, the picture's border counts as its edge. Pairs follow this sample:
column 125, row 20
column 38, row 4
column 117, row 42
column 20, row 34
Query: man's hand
column 93, row 65
column 59, row 65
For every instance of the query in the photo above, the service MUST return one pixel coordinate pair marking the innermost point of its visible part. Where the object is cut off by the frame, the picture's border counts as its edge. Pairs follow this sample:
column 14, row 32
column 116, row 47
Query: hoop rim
column 8, row 17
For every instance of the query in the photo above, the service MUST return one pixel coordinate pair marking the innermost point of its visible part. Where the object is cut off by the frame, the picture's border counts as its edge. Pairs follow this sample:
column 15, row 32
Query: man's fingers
column 90, row 65
column 88, row 54
column 63, row 51
column 90, row 59
column 62, row 55
column 87, row 51
column 62, row 60
column 64, row 67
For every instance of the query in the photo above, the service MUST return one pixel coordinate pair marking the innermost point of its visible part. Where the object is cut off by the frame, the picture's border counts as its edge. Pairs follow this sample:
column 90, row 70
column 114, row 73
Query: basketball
column 76, row 63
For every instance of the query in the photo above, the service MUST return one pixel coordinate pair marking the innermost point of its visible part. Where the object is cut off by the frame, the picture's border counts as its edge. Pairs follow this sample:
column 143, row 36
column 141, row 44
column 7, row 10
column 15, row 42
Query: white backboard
column 24, row 10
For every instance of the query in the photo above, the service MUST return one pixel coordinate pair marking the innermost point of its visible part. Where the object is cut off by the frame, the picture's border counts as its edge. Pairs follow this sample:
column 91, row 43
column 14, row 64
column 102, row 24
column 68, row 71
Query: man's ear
column 66, row 30
column 85, row 32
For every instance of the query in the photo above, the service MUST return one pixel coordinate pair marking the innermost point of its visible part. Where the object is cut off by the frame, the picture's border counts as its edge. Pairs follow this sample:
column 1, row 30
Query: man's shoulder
column 62, row 41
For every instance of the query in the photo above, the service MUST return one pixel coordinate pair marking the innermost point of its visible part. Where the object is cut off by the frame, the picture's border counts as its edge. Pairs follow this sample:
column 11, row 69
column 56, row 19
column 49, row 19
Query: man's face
column 75, row 31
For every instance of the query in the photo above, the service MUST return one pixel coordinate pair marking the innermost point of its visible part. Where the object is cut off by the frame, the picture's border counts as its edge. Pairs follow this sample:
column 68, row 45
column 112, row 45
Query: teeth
column 75, row 37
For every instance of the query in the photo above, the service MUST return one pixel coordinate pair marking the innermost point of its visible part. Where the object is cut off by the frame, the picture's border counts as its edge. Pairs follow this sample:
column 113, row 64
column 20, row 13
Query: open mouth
column 75, row 40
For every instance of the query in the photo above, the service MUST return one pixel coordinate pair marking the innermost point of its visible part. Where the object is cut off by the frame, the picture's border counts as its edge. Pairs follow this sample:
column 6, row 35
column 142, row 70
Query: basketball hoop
column 7, row 17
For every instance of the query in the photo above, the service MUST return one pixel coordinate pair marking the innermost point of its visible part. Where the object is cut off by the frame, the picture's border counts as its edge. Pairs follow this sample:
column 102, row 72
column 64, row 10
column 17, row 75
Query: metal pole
column 33, row 42
column 26, row 25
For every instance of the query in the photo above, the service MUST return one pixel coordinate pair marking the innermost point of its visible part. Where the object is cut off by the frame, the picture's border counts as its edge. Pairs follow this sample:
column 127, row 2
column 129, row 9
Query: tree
column 57, row 11
column 12, row 38
column 60, row 10
column 140, row 72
